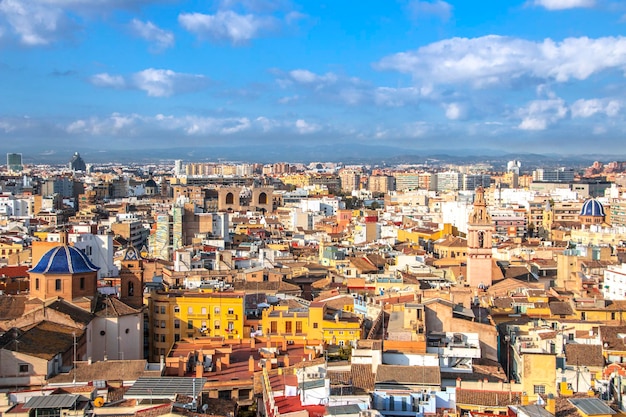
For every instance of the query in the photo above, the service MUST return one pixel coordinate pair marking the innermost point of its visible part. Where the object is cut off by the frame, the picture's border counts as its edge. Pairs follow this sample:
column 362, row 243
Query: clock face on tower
column 131, row 255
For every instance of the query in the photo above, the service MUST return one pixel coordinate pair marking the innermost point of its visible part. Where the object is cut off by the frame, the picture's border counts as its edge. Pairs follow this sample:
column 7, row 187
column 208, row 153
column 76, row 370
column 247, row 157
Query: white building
column 615, row 282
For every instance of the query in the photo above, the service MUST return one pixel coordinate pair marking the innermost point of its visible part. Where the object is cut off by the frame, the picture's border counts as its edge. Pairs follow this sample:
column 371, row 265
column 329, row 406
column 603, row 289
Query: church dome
column 592, row 207
column 151, row 183
column 64, row 260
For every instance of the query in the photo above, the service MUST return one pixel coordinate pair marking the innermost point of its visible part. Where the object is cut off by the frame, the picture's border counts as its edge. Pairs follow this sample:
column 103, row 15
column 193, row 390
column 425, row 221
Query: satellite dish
column 98, row 402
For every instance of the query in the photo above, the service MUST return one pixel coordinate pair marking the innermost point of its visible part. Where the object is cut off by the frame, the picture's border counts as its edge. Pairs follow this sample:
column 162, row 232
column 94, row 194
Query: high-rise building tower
column 14, row 162
column 479, row 241
column 77, row 163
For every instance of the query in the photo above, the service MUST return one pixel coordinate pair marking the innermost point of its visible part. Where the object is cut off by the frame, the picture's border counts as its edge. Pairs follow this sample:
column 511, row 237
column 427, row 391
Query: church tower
column 131, row 278
column 479, row 242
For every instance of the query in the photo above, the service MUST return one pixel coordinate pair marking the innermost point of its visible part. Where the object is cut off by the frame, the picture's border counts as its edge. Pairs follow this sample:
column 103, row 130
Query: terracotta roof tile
column 487, row 398
column 584, row 355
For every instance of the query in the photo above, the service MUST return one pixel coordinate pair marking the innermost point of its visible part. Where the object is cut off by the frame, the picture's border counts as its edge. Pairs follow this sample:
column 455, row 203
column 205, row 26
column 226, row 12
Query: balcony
column 198, row 316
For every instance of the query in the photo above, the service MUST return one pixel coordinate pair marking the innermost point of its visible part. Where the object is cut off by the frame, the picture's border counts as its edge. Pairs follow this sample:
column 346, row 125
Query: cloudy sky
column 511, row 75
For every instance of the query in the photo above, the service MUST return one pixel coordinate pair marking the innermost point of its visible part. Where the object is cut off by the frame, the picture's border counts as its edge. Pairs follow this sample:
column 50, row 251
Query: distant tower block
column 479, row 241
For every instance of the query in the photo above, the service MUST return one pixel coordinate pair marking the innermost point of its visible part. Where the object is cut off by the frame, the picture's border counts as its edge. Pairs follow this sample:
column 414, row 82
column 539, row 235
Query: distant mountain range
column 347, row 154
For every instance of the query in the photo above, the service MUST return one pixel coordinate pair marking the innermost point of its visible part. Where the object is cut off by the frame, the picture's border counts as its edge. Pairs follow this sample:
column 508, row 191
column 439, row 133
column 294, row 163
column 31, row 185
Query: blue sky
column 519, row 75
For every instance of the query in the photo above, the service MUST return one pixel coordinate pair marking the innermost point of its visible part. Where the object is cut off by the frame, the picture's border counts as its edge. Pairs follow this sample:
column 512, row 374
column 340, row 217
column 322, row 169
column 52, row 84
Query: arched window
column 131, row 289
column 481, row 239
column 230, row 198
column 262, row 198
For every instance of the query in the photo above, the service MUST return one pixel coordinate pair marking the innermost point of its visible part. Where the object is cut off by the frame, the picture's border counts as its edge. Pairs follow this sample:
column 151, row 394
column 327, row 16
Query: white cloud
column 438, row 8
column 108, row 80
column 162, row 39
column 541, row 114
column 497, row 60
column 226, row 25
column 155, row 82
column 302, row 76
column 304, row 127
column 33, row 23
column 396, row 97
column 43, row 22
column 455, row 111
column 564, row 4
column 586, row 108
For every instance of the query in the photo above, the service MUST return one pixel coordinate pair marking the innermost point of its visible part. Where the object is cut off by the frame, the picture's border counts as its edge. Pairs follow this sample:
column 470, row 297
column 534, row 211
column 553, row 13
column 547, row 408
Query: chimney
column 200, row 356
column 286, row 361
column 218, row 365
column 551, row 404
column 284, row 346
column 181, row 366
column 251, row 366
column 524, row 398
column 252, row 342
column 199, row 370
column 226, row 360
column 269, row 342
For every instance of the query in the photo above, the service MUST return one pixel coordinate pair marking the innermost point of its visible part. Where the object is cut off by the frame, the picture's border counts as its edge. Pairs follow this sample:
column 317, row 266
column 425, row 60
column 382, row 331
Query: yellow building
column 416, row 234
column 8, row 248
column 320, row 322
column 175, row 315
column 538, row 375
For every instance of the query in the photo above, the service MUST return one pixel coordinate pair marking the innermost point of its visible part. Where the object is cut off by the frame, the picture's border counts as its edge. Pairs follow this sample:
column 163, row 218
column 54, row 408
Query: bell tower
column 131, row 278
column 479, row 242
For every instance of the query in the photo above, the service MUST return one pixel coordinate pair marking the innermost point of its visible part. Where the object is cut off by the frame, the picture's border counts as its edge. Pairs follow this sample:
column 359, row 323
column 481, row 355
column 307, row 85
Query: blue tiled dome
column 592, row 207
column 64, row 260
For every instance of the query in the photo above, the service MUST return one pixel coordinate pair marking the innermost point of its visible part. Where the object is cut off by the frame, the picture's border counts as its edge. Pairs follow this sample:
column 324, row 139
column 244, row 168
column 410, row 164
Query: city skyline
column 543, row 76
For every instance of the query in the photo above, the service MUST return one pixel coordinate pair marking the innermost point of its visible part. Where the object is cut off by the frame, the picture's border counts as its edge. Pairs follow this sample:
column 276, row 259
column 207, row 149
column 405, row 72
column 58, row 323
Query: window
column 177, row 324
column 216, row 324
column 131, row 289
column 203, row 311
column 539, row 389
column 231, row 311
column 216, row 310
column 341, row 342
column 315, row 325
column 273, row 327
column 189, row 324
column 163, row 324
column 298, row 327
column 37, row 283
column 231, row 326
column 156, row 337
column 162, row 338
column 176, row 309
column 82, row 283
column 613, row 315
column 189, row 310
column 57, row 284
column 570, row 337
column 583, row 315
column 162, row 309
column 23, row 367
column 176, row 337
column 288, row 327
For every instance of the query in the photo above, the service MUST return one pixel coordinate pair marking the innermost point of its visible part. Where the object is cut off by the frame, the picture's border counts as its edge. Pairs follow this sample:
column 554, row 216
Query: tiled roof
column 400, row 374
column 12, row 307
column 612, row 339
column 362, row 377
column 487, row 398
column 44, row 340
column 77, row 314
column 561, row 308
column 112, row 307
column 584, row 355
